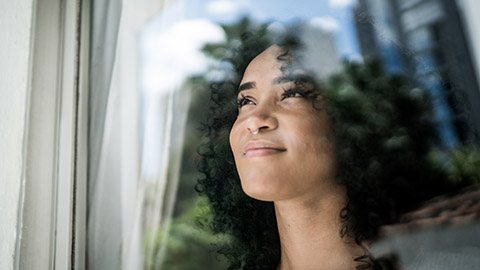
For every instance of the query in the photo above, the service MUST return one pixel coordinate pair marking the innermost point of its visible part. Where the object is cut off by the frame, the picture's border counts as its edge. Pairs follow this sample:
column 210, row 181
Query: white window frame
column 52, row 214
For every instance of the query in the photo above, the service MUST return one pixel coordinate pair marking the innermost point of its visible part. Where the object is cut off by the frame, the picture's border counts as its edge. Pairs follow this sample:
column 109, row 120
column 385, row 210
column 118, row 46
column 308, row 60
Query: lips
column 262, row 148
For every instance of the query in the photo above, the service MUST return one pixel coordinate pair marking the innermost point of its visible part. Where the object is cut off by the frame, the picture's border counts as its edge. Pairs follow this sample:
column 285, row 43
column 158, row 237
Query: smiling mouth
column 262, row 148
column 261, row 152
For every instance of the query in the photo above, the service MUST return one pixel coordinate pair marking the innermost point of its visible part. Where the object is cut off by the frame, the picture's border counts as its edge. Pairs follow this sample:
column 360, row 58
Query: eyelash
column 294, row 90
column 242, row 101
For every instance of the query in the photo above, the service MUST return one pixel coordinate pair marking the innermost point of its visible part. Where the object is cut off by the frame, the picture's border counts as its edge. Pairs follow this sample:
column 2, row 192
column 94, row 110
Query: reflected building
column 424, row 40
column 318, row 46
column 320, row 50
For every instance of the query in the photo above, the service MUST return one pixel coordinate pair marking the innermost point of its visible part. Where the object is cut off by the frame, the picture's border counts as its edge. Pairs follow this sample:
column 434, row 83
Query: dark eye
column 242, row 101
column 292, row 93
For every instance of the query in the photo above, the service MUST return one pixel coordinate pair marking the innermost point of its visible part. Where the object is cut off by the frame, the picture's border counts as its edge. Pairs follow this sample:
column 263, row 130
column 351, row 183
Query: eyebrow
column 251, row 85
column 246, row 86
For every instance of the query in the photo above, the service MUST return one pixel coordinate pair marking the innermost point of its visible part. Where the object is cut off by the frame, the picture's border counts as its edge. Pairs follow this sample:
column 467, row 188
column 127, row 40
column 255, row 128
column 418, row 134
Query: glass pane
column 393, row 89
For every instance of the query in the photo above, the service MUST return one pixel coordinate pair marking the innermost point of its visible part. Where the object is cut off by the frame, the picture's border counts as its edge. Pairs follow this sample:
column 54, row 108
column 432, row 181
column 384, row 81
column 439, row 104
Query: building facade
column 424, row 40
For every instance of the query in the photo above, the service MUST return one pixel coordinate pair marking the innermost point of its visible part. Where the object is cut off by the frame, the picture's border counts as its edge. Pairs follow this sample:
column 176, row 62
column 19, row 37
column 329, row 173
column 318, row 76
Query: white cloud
column 225, row 10
column 326, row 23
column 222, row 6
column 276, row 28
column 342, row 3
column 174, row 54
column 355, row 58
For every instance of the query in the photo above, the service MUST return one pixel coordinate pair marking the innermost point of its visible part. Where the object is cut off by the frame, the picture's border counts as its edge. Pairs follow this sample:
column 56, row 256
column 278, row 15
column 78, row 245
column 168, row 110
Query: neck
column 309, row 230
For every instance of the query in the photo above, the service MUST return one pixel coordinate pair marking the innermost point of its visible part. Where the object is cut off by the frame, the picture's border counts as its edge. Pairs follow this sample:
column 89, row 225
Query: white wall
column 15, row 30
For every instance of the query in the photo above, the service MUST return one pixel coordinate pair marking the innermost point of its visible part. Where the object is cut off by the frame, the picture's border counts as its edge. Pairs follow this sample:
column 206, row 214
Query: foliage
column 189, row 245
column 463, row 165
column 384, row 134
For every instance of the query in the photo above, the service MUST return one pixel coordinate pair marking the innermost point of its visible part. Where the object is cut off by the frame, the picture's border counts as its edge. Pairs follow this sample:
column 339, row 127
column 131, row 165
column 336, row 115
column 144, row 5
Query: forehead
column 265, row 66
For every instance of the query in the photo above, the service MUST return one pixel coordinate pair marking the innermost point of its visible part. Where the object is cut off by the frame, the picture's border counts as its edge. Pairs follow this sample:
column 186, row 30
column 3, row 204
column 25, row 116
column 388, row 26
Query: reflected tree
column 388, row 123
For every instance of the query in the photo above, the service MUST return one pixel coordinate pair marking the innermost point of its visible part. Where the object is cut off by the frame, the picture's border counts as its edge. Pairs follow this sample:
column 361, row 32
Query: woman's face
column 290, row 156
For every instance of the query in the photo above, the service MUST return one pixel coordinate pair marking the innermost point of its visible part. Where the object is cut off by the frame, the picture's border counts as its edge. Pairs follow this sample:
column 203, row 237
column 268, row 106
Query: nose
column 261, row 118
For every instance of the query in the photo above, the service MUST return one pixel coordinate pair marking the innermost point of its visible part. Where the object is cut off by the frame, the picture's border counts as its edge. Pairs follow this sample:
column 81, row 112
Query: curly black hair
column 383, row 134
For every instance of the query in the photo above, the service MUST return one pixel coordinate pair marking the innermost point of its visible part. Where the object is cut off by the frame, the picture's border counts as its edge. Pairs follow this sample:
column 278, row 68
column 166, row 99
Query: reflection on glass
column 214, row 27
column 192, row 47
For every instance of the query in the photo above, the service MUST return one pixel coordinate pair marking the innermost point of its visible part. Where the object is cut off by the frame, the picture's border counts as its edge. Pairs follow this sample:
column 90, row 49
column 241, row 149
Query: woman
column 310, row 173
column 283, row 154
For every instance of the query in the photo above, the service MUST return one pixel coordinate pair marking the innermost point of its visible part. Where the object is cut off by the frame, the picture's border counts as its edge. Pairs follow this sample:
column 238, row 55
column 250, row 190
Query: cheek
column 308, row 132
column 310, row 136
column 323, row 155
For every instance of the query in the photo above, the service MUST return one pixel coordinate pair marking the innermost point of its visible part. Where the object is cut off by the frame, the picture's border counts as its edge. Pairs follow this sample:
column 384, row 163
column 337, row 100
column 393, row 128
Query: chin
column 260, row 191
column 261, row 197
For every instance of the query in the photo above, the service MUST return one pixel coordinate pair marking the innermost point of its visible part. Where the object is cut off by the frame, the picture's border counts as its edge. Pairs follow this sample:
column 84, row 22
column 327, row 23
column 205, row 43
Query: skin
column 291, row 162
column 290, row 123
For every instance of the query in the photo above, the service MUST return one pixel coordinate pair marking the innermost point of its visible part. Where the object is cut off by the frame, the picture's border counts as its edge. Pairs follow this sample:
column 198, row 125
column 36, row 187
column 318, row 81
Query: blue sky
column 227, row 11
column 171, row 42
